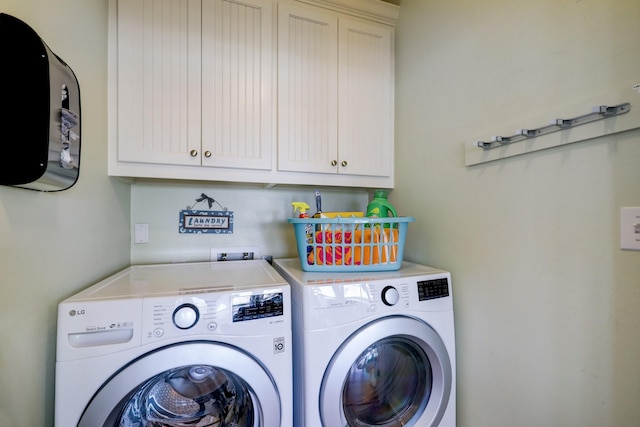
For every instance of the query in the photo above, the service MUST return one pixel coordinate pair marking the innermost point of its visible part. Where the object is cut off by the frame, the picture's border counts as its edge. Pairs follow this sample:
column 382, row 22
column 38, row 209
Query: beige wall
column 54, row 244
column 547, row 305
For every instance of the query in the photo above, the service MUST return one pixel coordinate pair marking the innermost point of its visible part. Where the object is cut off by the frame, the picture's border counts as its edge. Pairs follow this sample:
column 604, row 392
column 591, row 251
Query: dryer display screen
column 251, row 307
column 430, row 289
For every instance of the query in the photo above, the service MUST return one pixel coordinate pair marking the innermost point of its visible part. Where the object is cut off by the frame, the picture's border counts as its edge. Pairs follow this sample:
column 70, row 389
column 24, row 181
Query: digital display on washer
column 251, row 307
column 431, row 289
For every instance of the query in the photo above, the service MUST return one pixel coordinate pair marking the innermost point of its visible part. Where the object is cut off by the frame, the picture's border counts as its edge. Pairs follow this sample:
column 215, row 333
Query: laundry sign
column 198, row 221
column 206, row 221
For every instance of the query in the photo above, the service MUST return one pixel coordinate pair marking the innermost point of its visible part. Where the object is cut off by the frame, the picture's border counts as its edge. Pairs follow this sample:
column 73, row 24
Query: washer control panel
column 210, row 313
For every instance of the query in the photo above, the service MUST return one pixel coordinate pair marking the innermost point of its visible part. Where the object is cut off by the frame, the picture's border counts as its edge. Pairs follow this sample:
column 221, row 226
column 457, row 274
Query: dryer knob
column 185, row 316
column 390, row 295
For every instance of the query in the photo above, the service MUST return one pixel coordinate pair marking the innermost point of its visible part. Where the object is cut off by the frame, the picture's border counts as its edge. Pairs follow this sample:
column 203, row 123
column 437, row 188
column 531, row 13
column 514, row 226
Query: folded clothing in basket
column 369, row 246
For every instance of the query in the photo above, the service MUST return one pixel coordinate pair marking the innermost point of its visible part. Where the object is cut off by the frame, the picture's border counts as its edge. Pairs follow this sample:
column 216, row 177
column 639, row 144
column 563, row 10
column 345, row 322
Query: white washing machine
column 202, row 344
column 372, row 349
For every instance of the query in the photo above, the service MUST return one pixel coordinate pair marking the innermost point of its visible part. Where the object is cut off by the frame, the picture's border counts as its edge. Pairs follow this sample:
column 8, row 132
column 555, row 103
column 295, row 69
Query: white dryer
column 372, row 349
column 206, row 344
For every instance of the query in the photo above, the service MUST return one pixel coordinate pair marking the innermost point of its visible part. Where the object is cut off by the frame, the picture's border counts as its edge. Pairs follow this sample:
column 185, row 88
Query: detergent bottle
column 380, row 207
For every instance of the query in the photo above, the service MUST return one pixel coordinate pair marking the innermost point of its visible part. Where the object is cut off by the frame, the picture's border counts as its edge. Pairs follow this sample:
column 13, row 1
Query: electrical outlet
column 235, row 253
column 630, row 228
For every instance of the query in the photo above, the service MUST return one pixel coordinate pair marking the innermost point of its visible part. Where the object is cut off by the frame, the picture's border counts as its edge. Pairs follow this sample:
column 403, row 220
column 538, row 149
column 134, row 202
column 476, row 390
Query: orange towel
column 369, row 246
column 329, row 254
column 382, row 247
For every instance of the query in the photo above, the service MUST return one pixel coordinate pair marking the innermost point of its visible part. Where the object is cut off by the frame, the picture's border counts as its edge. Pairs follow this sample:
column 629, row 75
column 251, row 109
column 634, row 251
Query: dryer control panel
column 431, row 289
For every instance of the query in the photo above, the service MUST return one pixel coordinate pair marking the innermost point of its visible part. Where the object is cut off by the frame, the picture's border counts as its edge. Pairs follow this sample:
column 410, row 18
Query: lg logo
column 73, row 313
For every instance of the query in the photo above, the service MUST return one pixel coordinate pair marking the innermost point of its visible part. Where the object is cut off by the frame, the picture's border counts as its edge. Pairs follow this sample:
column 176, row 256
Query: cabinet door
column 307, row 89
column 237, row 110
column 365, row 98
column 158, row 82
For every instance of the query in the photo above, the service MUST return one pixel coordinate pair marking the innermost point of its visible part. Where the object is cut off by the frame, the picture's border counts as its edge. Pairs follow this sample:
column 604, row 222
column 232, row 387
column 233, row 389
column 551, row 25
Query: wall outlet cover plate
column 630, row 228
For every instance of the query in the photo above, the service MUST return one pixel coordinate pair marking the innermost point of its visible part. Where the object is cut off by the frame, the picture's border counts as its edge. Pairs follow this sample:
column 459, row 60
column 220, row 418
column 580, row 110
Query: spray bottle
column 302, row 207
column 308, row 228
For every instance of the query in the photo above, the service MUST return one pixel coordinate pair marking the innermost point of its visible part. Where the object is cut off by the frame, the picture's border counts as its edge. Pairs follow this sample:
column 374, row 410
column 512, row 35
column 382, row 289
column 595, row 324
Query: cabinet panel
column 307, row 89
column 335, row 83
column 193, row 94
column 156, row 111
column 236, row 83
column 365, row 139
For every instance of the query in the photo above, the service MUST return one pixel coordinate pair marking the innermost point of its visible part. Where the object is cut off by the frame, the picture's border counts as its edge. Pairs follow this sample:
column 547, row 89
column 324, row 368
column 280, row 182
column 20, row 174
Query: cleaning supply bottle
column 302, row 207
column 380, row 207
column 308, row 229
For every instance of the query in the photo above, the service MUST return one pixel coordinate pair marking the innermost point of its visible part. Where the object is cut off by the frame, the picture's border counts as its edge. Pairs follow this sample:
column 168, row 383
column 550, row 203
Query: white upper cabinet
column 335, row 92
column 158, row 91
column 194, row 82
column 365, row 99
column 307, row 89
column 263, row 91
column 237, row 115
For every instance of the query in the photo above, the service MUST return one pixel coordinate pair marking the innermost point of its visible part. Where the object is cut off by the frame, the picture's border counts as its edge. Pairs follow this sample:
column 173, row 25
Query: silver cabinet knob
column 207, row 154
column 334, row 162
column 193, row 153
column 344, row 163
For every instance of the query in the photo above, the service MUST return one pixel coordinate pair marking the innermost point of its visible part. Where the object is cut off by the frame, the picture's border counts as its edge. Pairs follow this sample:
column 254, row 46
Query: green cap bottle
column 380, row 207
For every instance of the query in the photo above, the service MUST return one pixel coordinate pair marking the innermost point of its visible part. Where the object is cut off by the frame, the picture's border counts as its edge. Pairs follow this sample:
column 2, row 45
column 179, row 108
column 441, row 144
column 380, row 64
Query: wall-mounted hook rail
column 597, row 113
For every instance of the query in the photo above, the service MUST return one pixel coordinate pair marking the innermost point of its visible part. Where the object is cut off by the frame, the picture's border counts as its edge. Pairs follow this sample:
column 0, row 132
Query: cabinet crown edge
column 375, row 10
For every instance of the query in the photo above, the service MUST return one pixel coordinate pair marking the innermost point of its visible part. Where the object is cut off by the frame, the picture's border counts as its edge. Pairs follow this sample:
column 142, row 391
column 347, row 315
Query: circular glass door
column 389, row 382
column 195, row 395
column 189, row 384
column 390, row 373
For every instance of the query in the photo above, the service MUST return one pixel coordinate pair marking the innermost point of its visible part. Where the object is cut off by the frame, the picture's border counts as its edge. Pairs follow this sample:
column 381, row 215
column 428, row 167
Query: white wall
column 54, row 244
column 547, row 305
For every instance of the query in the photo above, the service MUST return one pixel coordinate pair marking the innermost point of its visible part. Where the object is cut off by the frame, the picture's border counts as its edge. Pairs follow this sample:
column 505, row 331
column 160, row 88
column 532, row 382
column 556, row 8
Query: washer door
column 188, row 384
column 392, row 372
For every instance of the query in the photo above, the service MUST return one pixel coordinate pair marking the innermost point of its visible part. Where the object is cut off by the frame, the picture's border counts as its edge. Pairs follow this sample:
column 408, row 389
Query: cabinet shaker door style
column 158, row 79
column 307, row 89
column 237, row 114
column 335, row 84
column 194, row 82
column 365, row 98
column 296, row 92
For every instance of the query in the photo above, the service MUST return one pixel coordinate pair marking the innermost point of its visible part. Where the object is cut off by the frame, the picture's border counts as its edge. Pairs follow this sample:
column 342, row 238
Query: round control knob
column 185, row 316
column 390, row 295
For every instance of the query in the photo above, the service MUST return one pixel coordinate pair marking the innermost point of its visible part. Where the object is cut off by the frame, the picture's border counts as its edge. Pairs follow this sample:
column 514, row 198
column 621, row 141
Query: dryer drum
column 381, row 376
column 387, row 384
column 198, row 395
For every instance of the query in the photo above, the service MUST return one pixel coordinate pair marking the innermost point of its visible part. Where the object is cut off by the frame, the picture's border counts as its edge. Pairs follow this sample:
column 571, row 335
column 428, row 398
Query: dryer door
column 392, row 372
column 188, row 384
